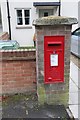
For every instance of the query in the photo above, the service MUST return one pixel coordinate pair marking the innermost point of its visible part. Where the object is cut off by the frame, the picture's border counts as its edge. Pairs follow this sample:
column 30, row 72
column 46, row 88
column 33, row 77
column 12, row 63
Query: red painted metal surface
column 54, row 59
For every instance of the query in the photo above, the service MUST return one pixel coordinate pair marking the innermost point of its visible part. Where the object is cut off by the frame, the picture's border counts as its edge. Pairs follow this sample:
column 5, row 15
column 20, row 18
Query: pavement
column 28, row 107
column 74, row 87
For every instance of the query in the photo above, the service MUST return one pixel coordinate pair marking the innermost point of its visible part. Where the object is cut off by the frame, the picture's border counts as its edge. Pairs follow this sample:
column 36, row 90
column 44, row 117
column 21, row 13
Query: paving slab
column 29, row 108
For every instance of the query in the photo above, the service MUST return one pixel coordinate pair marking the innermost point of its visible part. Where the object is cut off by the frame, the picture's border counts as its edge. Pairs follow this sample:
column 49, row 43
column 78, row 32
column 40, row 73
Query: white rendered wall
column 4, row 17
column 79, row 13
column 70, row 8
column 25, row 35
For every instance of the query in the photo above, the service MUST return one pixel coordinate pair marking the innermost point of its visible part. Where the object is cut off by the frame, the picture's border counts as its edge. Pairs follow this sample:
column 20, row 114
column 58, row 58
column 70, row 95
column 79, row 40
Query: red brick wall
column 4, row 36
column 18, row 71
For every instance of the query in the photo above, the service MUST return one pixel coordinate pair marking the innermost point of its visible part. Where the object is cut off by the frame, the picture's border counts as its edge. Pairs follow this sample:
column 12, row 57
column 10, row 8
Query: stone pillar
column 56, row 93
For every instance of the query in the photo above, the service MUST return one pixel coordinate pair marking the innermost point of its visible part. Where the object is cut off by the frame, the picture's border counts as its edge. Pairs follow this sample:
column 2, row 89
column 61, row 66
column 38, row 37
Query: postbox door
column 53, row 59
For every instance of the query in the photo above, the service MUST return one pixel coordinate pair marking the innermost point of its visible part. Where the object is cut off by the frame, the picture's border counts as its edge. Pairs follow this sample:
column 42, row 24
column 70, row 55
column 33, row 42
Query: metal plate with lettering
column 54, row 59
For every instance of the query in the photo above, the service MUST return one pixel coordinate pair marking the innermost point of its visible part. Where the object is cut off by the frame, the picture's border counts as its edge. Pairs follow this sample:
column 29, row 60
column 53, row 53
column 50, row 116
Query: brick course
column 18, row 71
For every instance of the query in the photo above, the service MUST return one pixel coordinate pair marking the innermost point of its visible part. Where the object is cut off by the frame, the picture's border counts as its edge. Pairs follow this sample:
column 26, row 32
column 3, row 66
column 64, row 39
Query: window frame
column 23, row 18
column 76, row 32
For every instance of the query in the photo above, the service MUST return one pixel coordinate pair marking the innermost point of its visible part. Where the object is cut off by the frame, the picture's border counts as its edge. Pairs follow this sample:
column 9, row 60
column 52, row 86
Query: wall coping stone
column 18, row 50
column 13, row 54
column 55, row 20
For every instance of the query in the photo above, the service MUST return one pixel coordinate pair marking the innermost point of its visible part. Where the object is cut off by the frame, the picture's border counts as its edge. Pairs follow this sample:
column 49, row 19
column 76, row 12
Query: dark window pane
column 19, row 21
column 26, row 21
column 19, row 13
column 26, row 13
column 45, row 14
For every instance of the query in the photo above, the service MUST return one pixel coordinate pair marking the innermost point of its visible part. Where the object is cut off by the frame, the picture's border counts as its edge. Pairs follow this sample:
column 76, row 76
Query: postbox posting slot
column 54, row 43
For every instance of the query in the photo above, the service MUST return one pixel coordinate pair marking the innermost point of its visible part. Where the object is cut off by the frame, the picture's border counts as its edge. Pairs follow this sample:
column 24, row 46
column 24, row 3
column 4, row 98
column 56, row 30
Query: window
column 45, row 14
column 23, row 17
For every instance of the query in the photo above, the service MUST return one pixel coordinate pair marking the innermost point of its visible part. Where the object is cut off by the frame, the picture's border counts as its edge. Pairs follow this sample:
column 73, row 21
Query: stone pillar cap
column 55, row 20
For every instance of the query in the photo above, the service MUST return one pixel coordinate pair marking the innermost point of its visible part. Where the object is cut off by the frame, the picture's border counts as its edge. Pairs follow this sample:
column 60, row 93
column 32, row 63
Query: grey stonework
column 55, row 20
column 57, row 93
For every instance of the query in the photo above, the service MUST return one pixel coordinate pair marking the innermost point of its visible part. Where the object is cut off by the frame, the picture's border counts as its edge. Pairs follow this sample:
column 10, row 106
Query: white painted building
column 71, row 8
column 0, row 16
column 23, row 12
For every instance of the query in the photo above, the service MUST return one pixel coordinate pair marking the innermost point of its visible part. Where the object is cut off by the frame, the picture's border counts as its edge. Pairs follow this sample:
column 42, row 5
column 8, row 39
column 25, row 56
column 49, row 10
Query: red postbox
column 53, row 59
